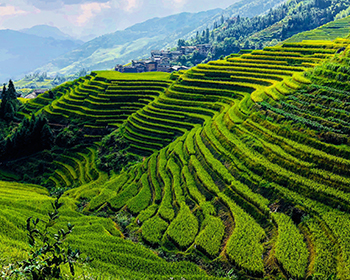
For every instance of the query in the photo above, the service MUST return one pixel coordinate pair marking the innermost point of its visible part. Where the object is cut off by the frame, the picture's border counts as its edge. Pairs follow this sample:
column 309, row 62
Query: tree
column 12, row 90
column 181, row 43
column 9, row 102
column 207, row 34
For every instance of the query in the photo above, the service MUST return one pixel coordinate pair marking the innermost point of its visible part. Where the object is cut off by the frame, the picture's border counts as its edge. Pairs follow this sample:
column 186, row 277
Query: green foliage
column 166, row 210
column 183, row 229
column 114, row 152
column 30, row 137
column 48, row 252
column 290, row 251
column 142, row 199
column 147, row 213
column 210, row 237
column 324, row 264
column 234, row 167
column 244, row 247
column 153, row 229
column 279, row 23
column 121, row 199
column 9, row 103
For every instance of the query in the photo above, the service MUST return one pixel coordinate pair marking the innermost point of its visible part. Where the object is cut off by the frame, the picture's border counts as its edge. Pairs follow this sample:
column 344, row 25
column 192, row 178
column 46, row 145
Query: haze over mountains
column 47, row 49
column 22, row 52
column 137, row 41
column 46, row 31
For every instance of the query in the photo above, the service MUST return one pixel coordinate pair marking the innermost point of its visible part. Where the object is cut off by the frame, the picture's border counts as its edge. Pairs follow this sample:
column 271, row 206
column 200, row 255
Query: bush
column 48, row 253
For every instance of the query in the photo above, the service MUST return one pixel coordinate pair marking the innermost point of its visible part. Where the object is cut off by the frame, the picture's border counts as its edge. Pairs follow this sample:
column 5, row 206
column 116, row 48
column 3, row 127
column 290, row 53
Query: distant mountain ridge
column 47, row 31
column 137, row 41
column 21, row 53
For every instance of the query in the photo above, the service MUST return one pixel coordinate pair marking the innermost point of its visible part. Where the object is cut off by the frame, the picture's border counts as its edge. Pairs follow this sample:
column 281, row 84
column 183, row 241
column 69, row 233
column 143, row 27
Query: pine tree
column 12, row 91
column 3, row 90
column 9, row 102
column 3, row 101
column 47, row 137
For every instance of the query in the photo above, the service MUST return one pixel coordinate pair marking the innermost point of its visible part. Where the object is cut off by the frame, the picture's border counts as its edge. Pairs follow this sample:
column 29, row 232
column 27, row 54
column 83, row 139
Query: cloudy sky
column 84, row 18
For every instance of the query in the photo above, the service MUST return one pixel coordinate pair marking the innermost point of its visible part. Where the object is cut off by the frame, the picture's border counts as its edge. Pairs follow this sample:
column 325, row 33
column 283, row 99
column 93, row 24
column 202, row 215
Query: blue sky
column 83, row 19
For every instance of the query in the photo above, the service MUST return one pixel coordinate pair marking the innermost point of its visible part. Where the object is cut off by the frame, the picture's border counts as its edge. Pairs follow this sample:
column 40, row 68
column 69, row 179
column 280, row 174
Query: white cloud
column 10, row 11
column 130, row 5
column 90, row 10
column 179, row 2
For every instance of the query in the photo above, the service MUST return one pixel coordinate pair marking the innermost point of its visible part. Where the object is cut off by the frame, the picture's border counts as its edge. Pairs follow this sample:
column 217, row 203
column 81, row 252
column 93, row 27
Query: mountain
column 108, row 50
column 330, row 31
column 137, row 41
column 21, row 53
column 230, row 35
column 251, row 8
column 47, row 31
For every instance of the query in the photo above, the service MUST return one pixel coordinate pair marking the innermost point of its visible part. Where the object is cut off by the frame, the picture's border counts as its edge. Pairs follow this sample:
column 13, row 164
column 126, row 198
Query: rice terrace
column 238, row 168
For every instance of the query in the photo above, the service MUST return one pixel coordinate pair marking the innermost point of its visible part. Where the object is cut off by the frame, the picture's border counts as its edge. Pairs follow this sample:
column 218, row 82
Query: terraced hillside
column 114, row 256
column 246, row 159
column 99, row 102
column 330, row 31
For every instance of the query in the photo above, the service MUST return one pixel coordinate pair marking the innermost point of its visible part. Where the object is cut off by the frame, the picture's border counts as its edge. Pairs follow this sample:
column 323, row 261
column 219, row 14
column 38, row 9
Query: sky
column 84, row 19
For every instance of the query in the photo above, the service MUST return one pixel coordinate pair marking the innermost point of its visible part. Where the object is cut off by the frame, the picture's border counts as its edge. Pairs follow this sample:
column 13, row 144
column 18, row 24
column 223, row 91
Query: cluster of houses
column 161, row 60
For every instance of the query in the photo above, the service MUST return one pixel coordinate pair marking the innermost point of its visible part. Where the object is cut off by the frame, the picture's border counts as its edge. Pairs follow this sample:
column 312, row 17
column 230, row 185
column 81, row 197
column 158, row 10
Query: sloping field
column 246, row 160
column 237, row 186
column 113, row 256
column 330, row 31
column 100, row 101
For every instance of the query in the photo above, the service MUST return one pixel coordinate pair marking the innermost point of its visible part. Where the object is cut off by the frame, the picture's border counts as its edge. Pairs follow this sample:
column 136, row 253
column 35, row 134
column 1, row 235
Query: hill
column 331, row 31
column 22, row 53
column 47, row 31
column 139, row 40
column 240, row 165
column 106, row 244
column 276, row 25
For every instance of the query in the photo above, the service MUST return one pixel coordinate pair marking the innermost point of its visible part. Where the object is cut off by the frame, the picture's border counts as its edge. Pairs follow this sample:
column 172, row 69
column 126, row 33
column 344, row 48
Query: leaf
column 70, row 226
column 51, row 223
column 28, row 223
column 31, row 240
column 71, row 268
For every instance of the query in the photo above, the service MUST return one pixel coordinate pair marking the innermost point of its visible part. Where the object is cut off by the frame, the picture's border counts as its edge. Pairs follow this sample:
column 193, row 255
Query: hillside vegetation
column 140, row 39
column 230, row 35
column 240, row 166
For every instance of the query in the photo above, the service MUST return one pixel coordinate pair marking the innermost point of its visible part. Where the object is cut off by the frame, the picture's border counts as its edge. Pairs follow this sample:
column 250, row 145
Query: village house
column 204, row 49
column 186, row 50
column 161, row 60
column 178, row 68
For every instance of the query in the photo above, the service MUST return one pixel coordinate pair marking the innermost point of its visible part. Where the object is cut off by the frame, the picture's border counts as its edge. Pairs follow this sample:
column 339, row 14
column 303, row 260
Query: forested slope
column 284, row 21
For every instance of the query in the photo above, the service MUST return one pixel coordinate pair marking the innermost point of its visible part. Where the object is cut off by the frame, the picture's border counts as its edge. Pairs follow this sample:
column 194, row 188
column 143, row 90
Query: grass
column 115, row 75
column 329, row 31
